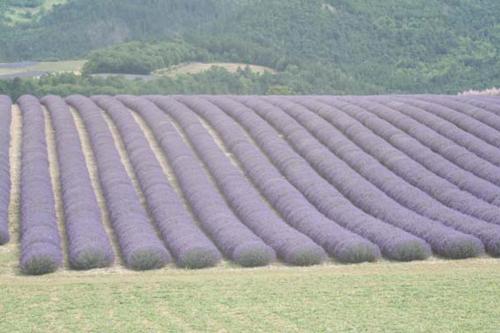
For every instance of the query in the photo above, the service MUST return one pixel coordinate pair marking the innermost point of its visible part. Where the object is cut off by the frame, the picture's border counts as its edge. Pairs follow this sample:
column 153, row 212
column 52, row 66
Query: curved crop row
column 290, row 245
column 88, row 244
column 395, row 128
column 452, row 244
column 5, row 122
column 340, row 243
column 458, row 119
column 459, row 147
column 40, row 241
column 140, row 246
column 444, row 241
column 487, row 118
column 395, row 243
column 490, row 105
column 188, row 244
column 233, row 238
column 350, row 119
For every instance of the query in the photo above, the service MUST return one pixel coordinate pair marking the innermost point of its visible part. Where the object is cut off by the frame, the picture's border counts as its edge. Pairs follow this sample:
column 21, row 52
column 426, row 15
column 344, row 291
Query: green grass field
column 431, row 296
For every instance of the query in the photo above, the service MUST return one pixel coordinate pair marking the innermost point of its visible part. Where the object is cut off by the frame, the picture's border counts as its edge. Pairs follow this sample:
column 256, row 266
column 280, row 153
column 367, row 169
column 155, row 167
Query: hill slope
column 393, row 46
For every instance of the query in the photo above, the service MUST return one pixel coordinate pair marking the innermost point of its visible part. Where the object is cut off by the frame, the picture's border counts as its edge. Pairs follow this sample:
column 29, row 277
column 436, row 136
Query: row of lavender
column 432, row 210
column 41, row 250
column 310, row 177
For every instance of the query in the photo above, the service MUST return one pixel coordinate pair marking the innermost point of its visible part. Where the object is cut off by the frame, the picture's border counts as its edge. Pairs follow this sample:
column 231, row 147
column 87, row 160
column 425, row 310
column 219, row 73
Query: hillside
column 26, row 11
column 326, row 46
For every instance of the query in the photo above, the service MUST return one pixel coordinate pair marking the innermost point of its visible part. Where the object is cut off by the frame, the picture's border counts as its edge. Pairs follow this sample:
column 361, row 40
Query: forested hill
column 367, row 46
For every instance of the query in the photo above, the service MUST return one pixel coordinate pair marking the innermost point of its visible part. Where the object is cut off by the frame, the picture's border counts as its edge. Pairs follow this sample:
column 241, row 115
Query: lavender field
column 195, row 181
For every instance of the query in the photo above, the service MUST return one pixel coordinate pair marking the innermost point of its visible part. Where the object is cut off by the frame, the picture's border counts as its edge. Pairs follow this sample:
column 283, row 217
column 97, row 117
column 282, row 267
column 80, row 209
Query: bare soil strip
column 188, row 143
column 155, row 147
column 95, row 182
column 12, row 248
column 222, row 146
column 122, row 151
column 162, row 158
column 56, row 182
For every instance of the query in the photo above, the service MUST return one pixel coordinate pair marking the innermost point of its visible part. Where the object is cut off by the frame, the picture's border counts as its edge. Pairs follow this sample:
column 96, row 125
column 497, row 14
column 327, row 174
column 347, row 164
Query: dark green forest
column 317, row 46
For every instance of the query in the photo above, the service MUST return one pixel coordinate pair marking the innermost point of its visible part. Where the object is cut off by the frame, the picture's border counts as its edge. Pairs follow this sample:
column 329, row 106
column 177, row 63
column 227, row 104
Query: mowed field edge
column 433, row 295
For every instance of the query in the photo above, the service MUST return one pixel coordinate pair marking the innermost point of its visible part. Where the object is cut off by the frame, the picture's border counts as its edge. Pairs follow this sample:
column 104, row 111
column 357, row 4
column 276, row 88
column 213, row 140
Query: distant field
column 39, row 68
column 487, row 92
column 9, row 71
column 196, row 67
column 431, row 296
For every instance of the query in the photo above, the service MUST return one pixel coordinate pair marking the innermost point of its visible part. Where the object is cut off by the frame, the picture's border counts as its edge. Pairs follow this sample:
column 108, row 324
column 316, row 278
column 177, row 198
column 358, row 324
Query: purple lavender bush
column 461, row 148
column 397, row 129
column 140, row 245
column 340, row 243
column 326, row 197
column 233, row 238
column 457, row 245
column 459, row 119
column 188, row 244
column 88, row 244
column 291, row 246
column 448, row 129
column 41, row 251
column 352, row 117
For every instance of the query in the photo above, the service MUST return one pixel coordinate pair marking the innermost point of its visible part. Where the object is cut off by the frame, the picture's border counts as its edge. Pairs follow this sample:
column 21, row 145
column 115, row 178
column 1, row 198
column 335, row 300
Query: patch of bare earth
column 12, row 249
column 162, row 159
column 56, row 182
column 198, row 67
column 122, row 151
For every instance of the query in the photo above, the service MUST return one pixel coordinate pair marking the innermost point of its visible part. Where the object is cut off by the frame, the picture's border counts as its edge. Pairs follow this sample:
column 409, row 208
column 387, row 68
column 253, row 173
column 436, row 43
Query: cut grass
column 197, row 67
column 435, row 295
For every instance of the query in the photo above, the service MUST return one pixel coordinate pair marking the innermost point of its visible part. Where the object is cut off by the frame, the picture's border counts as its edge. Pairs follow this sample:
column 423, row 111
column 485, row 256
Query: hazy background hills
column 309, row 46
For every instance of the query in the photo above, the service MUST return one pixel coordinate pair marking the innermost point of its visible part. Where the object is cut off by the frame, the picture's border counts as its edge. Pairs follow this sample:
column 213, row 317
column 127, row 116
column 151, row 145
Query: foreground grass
column 437, row 296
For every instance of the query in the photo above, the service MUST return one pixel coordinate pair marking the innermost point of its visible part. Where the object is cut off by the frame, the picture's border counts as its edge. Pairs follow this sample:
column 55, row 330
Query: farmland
column 191, row 181
column 388, row 205
column 424, row 296
column 196, row 67
column 35, row 69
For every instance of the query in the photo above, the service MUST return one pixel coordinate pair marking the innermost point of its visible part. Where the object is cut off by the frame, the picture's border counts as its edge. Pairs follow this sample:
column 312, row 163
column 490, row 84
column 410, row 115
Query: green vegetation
column 217, row 80
column 318, row 46
column 26, row 11
column 141, row 58
column 437, row 296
